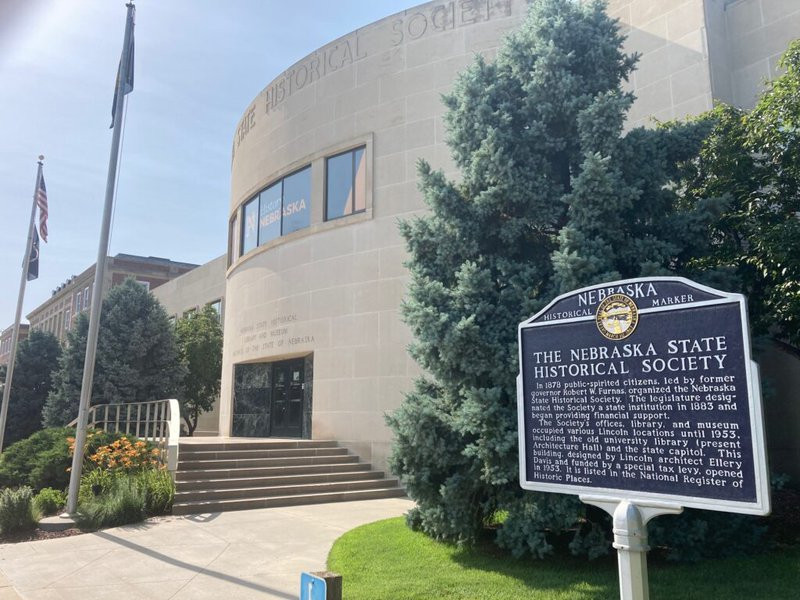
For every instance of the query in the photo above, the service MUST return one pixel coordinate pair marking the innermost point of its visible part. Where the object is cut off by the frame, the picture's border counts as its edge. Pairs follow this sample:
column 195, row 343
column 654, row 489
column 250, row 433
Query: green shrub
column 16, row 510
column 38, row 461
column 43, row 459
column 160, row 491
column 96, row 483
column 49, row 501
column 123, row 503
column 112, row 498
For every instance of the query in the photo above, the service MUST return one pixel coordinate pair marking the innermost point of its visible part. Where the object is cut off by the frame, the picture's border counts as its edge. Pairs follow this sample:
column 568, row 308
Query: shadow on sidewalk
column 190, row 567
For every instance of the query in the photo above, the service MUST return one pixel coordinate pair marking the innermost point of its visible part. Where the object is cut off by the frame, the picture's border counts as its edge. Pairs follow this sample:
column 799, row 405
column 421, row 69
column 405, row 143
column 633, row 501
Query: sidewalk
column 233, row 555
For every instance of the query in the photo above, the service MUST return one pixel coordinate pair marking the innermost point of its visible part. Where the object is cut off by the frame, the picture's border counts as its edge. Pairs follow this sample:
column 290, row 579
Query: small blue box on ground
column 312, row 587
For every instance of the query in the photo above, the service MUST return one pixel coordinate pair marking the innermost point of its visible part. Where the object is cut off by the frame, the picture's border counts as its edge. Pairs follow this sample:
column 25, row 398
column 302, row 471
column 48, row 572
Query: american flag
column 41, row 202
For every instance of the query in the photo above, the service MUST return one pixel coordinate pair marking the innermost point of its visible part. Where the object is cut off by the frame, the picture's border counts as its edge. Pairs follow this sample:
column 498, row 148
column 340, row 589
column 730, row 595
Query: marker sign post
column 640, row 396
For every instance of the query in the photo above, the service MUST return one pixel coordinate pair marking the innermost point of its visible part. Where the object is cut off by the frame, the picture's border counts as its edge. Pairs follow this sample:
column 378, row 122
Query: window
column 217, row 306
column 232, row 239
column 345, row 184
column 188, row 312
column 250, row 226
column 144, row 284
column 296, row 201
column 78, row 300
column 269, row 222
column 86, row 297
column 67, row 319
column 283, row 207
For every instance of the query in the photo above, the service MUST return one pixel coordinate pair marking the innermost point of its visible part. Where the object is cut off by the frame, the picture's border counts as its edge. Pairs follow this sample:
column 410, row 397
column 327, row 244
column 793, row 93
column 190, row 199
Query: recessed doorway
column 273, row 399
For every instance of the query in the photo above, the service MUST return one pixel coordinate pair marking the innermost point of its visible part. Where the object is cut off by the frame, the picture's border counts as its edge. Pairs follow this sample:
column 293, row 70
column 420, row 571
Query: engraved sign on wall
column 643, row 389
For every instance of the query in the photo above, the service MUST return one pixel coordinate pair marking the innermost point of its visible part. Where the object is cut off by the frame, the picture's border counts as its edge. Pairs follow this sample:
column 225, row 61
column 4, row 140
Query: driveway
column 245, row 554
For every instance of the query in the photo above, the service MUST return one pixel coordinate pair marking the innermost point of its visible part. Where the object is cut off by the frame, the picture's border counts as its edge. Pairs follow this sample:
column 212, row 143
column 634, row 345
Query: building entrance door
column 287, row 398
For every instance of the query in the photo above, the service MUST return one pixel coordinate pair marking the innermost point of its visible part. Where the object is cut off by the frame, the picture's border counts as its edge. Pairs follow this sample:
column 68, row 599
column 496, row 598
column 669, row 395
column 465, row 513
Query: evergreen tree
column 36, row 362
column 137, row 356
column 552, row 196
column 199, row 337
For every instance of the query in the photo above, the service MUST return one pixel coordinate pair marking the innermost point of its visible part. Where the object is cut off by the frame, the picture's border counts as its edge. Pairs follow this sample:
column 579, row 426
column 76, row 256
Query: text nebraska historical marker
column 641, row 397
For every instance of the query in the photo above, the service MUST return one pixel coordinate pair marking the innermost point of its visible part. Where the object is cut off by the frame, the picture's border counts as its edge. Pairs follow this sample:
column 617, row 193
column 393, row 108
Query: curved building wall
column 331, row 291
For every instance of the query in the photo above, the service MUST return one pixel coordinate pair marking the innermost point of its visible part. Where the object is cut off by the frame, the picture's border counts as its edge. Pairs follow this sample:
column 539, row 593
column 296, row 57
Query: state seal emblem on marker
column 617, row 316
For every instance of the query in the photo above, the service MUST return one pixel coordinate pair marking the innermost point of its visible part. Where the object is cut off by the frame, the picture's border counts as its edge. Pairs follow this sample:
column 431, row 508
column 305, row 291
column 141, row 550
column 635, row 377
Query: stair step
column 301, row 469
column 282, row 490
column 252, row 482
column 188, row 446
column 190, row 455
column 243, row 463
column 188, row 508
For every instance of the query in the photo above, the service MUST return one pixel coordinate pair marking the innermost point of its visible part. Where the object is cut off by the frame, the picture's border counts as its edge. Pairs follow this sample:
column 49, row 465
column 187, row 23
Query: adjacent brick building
column 5, row 341
column 72, row 297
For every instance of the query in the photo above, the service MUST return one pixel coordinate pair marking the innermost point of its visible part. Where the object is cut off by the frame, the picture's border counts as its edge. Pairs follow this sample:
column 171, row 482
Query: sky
column 199, row 64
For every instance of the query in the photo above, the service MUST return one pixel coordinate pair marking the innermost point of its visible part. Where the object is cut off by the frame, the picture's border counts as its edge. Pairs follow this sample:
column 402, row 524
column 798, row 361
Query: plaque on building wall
column 643, row 389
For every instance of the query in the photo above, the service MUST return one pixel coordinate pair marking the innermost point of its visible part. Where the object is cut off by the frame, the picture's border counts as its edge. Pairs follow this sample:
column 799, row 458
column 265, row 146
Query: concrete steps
column 242, row 474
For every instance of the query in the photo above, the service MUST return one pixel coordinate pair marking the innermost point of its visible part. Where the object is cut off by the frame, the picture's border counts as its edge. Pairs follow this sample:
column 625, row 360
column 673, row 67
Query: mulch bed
column 37, row 534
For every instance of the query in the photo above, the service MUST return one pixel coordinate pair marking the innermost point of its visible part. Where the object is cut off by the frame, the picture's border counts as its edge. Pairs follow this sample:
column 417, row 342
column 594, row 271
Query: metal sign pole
column 630, row 539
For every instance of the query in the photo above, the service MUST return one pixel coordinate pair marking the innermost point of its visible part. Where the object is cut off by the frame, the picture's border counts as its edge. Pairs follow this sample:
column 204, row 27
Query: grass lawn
column 388, row 561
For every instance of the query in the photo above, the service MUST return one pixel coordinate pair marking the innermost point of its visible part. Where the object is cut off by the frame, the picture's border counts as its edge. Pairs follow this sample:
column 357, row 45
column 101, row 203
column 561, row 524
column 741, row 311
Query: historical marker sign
column 643, row 389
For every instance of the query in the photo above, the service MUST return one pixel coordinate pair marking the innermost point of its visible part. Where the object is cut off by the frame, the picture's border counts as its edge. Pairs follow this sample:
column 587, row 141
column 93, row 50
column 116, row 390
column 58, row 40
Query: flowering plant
column 124, row 455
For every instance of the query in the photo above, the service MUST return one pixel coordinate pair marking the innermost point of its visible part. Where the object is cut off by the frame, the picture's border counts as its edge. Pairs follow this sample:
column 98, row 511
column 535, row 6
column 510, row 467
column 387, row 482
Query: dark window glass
column 340, row 186
column 346, row 184
column 296, row 201
column 250, row 226
column 269, row 222
column 217, row 306
column 252, row 389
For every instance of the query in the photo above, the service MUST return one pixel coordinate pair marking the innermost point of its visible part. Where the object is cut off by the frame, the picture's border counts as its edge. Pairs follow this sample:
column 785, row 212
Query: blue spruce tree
column 553, row 195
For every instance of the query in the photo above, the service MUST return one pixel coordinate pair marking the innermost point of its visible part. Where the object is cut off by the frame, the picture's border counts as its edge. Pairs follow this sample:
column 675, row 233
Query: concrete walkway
column 245, row 554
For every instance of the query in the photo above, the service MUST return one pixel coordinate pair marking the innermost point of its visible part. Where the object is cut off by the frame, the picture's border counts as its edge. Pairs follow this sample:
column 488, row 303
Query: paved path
column 245, row 554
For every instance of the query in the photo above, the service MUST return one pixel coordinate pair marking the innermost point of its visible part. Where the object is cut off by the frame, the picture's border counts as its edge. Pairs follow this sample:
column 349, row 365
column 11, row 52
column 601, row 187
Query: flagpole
column 99, row 273
column 18, row 317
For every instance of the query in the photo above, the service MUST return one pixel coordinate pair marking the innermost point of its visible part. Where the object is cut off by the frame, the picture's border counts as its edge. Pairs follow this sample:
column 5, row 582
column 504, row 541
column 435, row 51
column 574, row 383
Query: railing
column 157, row 421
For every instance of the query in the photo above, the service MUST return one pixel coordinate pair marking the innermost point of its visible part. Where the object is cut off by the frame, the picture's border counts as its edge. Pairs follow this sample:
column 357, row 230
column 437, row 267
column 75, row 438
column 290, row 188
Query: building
column 323, row 165
column 57, row 313
column 203, row 286
column 5, row 341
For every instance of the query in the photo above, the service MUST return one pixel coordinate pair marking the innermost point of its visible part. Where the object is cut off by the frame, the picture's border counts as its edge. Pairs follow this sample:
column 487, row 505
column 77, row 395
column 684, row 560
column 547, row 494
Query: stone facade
column 755, row 33
column 195, row 289
column 202, row 286
column 330, row 292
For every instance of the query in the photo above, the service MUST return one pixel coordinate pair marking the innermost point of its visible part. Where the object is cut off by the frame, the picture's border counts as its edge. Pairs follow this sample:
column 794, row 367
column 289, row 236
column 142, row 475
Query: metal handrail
column 157, row 421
